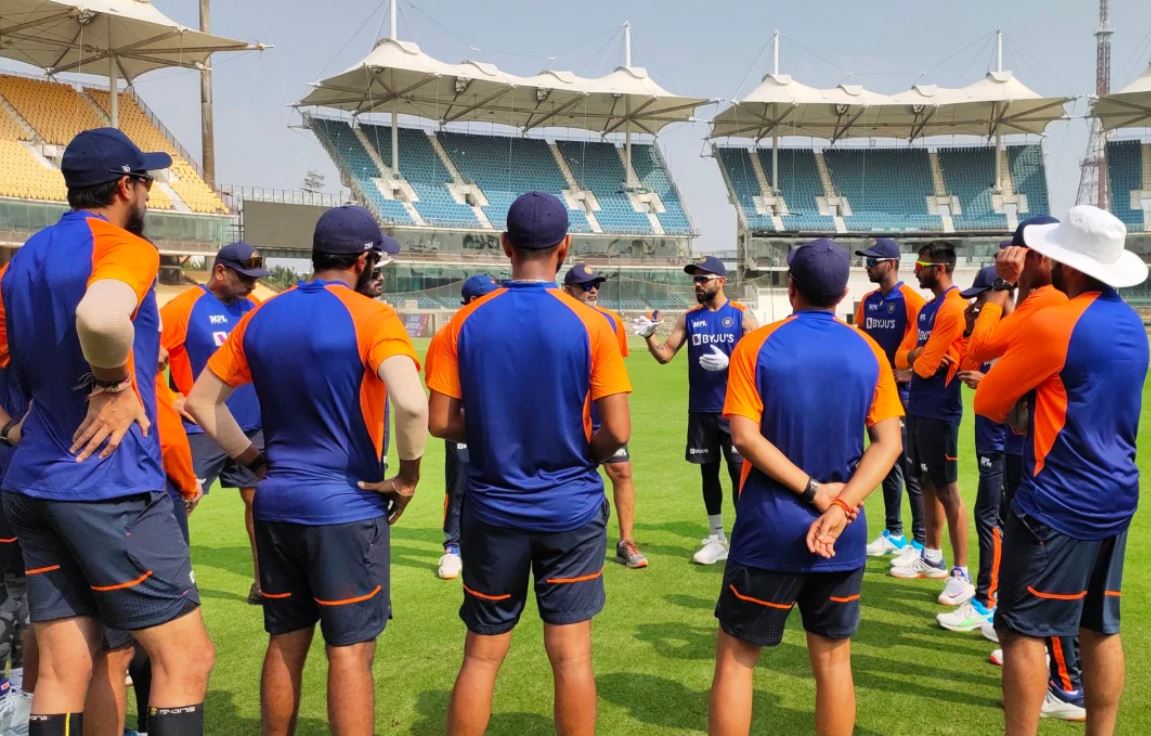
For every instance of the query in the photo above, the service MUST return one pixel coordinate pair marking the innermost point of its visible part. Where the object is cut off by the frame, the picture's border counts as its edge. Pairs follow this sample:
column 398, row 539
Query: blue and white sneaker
column 1063, row 705
column 968, row 617
column 920, row 568
column 907, row 555
column 958, row 589
column 886, row 544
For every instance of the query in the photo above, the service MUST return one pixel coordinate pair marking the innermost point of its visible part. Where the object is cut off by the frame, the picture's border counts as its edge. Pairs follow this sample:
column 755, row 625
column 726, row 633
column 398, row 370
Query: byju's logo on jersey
column 698, row 339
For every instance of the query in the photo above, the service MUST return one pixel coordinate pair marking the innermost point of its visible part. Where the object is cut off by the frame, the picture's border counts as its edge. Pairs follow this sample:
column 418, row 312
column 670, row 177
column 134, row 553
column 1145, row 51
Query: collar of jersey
column 84, row 214
column 317, row 284
column 529, row 284
column 813, row 314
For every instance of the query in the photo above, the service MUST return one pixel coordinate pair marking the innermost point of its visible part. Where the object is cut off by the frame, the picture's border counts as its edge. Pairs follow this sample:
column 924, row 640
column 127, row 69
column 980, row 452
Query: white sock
column 715, row 523
column 16, row 677
column 966, row 573
column 934, row 556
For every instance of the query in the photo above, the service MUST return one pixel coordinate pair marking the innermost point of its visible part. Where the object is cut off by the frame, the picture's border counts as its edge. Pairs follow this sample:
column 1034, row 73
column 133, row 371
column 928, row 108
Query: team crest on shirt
column 728, row 322
column 891, row 309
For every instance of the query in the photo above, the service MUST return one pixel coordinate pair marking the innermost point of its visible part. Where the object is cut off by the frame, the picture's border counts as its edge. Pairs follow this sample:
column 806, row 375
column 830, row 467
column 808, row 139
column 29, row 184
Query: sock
column 934, row 556
column 963, row 569
column 715, row 523
column 452, row 549
column 187, row 720
column 57, row 724
column 16, row 677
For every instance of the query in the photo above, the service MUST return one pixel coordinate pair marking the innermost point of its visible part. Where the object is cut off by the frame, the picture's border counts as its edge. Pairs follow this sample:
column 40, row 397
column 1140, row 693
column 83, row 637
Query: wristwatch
column 1000, row 284
column 809, row 493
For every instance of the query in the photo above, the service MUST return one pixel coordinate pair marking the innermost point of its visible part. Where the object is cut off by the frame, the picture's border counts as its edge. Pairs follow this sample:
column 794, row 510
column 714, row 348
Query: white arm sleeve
column 409, row 405
column 104, row 323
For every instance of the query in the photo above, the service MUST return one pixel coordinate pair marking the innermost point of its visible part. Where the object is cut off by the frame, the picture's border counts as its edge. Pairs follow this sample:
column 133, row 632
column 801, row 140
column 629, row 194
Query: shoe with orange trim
column 628, row 554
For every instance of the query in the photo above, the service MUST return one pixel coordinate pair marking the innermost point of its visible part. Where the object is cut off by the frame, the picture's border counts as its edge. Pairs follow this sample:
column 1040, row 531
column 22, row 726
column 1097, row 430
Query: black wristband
column 808, row 495
column 5, row 431
column 258, row 463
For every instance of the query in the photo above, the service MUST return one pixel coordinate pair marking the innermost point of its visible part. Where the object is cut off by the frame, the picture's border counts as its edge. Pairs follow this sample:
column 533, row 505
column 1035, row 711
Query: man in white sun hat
column 1064, row 543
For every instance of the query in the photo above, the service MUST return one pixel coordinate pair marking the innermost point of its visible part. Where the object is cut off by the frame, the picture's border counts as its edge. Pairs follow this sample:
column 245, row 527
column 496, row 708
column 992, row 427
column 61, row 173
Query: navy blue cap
column 101, row 155
column 581, row 273
column 982, row 283
column 883, row 248
column 477, row 286
column 1017, row 239
column 537, row 221
column 350, row 230
column 820, row 269
column 242, row 258
column 706, row 264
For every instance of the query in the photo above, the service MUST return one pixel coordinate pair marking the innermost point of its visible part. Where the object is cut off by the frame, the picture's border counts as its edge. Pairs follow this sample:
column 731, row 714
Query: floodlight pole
column 113, row 91
column 775, row 133
column 998, row 135
column 395, row 98
column 207, row 122
column 629, row 170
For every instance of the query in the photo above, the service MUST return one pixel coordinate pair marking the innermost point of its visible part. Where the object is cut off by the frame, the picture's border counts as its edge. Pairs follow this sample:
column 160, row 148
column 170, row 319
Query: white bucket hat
column 1090, row 241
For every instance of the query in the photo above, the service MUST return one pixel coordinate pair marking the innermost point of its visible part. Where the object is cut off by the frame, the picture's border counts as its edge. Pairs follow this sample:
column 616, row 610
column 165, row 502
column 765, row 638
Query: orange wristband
column 843, row 505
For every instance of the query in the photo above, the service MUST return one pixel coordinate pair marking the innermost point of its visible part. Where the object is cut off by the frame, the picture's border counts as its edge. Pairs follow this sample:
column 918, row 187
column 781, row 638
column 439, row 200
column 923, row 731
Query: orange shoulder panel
column 743, row 397
column 121, row 256
column 443, row 373
column 174, row 317
column 885, row 402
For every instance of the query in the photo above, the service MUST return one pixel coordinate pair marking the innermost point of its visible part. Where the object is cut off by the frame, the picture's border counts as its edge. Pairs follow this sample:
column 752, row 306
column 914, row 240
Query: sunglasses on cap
column 248, row 264
column 873, row 262
column 703, row 278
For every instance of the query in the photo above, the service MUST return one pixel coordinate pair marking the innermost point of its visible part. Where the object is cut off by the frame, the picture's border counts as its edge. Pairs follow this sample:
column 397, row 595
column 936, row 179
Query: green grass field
column 654, row 642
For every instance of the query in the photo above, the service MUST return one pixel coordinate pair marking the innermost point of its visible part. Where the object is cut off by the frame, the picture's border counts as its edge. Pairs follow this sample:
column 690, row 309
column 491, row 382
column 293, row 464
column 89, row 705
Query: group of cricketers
column 290, row 400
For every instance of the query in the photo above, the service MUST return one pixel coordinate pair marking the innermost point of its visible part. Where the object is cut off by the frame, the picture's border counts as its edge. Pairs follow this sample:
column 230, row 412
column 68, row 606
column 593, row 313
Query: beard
column 135, row 224
column 369, row 283
column 1057, row 277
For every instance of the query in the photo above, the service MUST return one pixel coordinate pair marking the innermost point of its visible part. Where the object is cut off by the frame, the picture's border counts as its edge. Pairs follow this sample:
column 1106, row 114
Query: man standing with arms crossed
column 710, row 330
column 535, row 503
column 323, row 509
column 582, row 282
column 935, row 408
column 1064, row 544
column 796, row 539
column 196, row 323
column 85, row 488
column 888, row 315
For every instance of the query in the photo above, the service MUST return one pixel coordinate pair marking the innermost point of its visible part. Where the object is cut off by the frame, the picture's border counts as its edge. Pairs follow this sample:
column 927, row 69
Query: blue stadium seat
column 598, row 167
column 1124, row 175
column 969, row 174
column 800, row 185
column 736, row 162
column 1030, row 177
column 652, row 176
column 355, row 163
column 887, row 188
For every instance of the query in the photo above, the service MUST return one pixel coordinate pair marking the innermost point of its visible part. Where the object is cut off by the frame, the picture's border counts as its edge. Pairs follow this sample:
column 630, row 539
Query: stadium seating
column 800, row 185
column 736, row 162
column 1124, row 175
column 598, row 167
column 887, row 189
column 427, row 174
column 969, row 174
column 56, row 111
column 504, row 167
column 1029, row 176
column 23, row 177
column 341, row 142
column 653, row 177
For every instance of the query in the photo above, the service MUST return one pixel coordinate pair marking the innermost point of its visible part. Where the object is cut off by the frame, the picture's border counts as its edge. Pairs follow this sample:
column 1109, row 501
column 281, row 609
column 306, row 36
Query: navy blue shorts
column 1052, row 585
column 337, row 574
column 709, row 440
column 122, row 561
column 11, row 557
column 567, row 567
column 754, row 603
column 934, row 449
column 211, row 462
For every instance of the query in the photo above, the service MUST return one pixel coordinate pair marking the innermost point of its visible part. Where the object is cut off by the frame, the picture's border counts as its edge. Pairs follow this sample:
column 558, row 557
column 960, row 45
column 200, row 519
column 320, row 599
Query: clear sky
column 717, row 49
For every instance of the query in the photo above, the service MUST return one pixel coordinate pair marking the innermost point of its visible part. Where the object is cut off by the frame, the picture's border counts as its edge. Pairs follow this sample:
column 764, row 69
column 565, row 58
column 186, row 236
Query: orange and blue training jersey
column 1086, row 360
column 313, row 354
column 779, row 379
column 934, row 392
column 196, row 324
column 175, row 450
column 722, row 329
column 44, row 283
column 527, row 362
column 889, row 318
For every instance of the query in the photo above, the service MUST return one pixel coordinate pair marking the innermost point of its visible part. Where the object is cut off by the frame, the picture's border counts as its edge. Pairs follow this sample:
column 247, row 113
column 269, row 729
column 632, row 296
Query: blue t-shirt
column 937, row 396
column 887, row 318
column 527, row 362
column 313, row 354
column 721, row 328
column 780, row 376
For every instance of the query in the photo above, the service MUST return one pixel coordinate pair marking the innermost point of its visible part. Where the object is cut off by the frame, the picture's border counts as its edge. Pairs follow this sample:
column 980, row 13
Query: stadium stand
column 969, row 174
column 887, row 189
column 743, row 185
column 653, row 176
column 56, row 111
column 1125, row 175
column 504, row 167
column 1029, row 176
column 345, row 148
column 598, row 167
column 423, row 169
column 800, row 186
column 23, row 176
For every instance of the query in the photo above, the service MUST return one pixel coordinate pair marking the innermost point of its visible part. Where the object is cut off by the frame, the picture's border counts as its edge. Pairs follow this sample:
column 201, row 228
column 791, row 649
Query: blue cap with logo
column 101, row 155
column 242, row 258
column 706, row 265
column 537, row 221
column 477, row 286
column 1017, row 239
column 984, row 279
column 581, row 273
column 350, row 230
column 820, row 269
column 883, row 248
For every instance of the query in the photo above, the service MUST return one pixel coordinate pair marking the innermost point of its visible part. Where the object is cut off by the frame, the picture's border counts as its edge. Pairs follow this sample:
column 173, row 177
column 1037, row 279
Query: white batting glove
column 644, row 327
column 714, row 361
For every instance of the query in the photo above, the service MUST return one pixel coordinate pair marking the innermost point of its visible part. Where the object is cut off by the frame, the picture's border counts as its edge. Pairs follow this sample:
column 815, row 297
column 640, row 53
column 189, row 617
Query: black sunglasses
column 248, row 264
column 589, row 285
column 873, row 262
column 147, row 179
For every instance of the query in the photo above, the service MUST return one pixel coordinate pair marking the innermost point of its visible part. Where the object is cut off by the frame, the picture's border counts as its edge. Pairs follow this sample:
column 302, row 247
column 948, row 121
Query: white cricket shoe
column 957, row 590
column 714, row 550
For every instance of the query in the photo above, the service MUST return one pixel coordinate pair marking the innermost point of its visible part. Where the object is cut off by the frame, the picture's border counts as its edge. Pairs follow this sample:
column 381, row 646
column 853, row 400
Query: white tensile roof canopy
column 1130, row 107
column 113, row 38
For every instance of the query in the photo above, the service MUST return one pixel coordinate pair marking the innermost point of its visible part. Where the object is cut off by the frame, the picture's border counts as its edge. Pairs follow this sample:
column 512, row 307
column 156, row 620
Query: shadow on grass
column 432, row 718
column 222, row 716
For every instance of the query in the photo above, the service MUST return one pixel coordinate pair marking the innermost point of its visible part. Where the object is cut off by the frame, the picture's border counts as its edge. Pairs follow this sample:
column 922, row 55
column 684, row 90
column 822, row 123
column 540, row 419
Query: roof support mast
column 998, row 135
column 775, row 137
column 207, row 121
column 630, row 182
column 392, row 34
